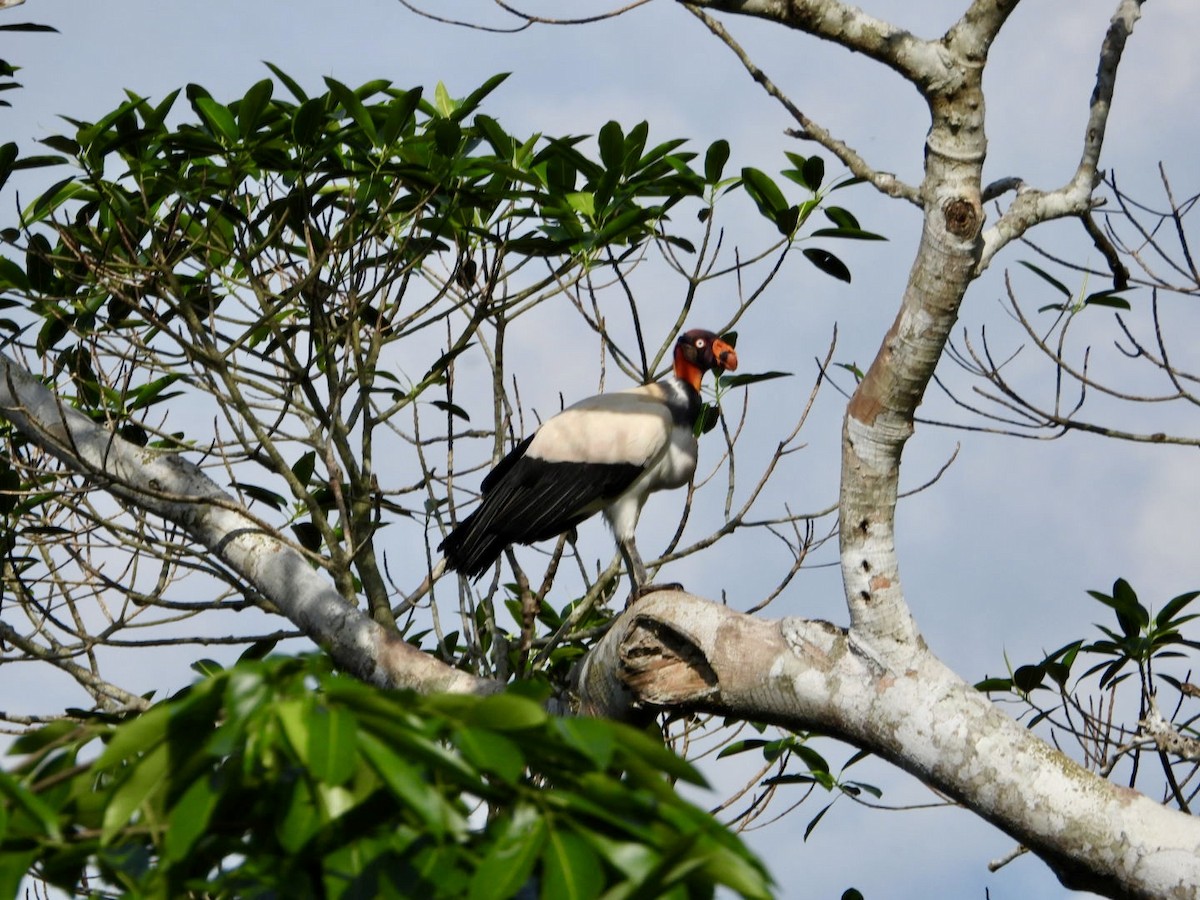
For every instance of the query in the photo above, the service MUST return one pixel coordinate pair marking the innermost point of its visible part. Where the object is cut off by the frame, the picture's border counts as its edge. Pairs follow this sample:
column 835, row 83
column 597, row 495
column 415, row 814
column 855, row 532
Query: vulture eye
column 699, row 343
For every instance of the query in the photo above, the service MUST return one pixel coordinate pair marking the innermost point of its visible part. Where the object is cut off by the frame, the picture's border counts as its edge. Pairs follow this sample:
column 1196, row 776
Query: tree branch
column 1031, row 207
column 678, row 653
column 885, row 182
column 919, row 61
column 177, row 490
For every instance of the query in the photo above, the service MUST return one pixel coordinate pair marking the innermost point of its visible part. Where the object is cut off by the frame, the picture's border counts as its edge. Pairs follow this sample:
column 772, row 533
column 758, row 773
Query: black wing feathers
column 525, row 500
column 492, row 478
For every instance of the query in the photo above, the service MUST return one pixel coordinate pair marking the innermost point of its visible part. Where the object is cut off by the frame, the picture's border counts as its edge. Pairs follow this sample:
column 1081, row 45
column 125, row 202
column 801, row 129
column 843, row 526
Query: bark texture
column 682, row 653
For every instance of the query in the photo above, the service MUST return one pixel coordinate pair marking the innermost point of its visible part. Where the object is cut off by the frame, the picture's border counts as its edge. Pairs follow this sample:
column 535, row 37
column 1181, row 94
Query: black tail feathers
column 471, row 549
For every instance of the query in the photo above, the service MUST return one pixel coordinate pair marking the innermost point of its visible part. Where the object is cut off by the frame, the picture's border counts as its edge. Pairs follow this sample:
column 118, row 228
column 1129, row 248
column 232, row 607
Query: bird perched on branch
column 607, row 454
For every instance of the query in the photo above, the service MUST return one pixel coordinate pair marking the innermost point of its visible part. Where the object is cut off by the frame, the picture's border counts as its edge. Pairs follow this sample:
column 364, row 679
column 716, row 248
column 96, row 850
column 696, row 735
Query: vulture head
column 697, row 351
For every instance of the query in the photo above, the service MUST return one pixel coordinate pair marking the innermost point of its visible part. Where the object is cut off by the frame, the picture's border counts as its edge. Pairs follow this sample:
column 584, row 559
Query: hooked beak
column 725, row 356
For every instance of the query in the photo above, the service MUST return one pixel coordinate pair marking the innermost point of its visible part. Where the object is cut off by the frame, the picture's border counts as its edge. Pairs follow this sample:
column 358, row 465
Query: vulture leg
column 634, row 566
column 637, row 573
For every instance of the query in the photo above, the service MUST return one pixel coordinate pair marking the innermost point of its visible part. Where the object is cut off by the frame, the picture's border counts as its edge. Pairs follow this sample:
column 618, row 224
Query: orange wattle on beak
column 725, row 356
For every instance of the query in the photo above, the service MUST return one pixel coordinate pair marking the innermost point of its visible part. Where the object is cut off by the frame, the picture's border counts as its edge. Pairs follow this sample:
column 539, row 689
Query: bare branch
column 809, row 130
column 1032, row 207
column 917, row 60
column 179, row 491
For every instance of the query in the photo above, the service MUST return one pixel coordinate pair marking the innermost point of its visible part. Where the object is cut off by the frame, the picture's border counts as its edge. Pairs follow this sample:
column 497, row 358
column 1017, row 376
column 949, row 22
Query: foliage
column 1138, row 652
column 298, row 290
column 257, row 283
column 281, row 778
column 7, row 69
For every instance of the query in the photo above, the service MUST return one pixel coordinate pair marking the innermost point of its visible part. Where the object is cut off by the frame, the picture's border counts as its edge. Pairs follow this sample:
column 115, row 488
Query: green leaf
column 139, row 735
column 507, row 712
column 207, row 667
column 447, row 135
column 408, row 783
column 51, row 199
column 36, row 808
column 442, row 100
column 612, row 145
column 814, row 172
column 151, row 393
column 471, row 102
column 852, row 369
column 583, row 202
column 736, row 381
column 453, row 409
column 8, row 155
column 332, row 744
column 637, row 745
column 257, row 650
column 189, row 818
column 764, row 192
column 507, row 867
column 814, row 760
column 12, row 275
column 288, row 82
column 294, row 716
column 354, row 108
column 594, row 738
column 308, row 121
column 841, row 218
column 715, row 160
column 58, row 142
column 443, row 362
column 300, row 819
column 38, row 266
column 850, row 234
column 41, row 738
column 307, row 536
column 787, row 220
column 303, row 468
column 856, row 786
column 1173, row 607
column 218, row 118
column 1112, row 299
column 1125, row 602
column 261, row 494
column 251, row 107
column 147, row 776
column 491, row 752
column 571, row 868
column 827, row 263
column 815, row 820
column 742, row 746
column 14, row 869
column 1048, row 278
column 707, row 420
column 29, row 26
column 502, row 143
column 738, row 872
column 1028, row 678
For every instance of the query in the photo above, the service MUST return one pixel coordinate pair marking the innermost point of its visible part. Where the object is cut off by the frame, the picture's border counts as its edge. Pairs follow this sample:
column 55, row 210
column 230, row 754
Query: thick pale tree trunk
column 682, row 653
column 876, row 684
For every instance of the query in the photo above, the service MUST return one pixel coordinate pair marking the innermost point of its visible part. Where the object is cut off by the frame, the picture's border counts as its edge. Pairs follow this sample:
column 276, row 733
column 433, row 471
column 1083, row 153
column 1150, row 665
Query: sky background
column 998, row 555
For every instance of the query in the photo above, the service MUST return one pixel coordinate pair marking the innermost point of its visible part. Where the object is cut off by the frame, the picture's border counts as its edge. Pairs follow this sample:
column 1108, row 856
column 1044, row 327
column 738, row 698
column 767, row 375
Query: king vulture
column 607, row 454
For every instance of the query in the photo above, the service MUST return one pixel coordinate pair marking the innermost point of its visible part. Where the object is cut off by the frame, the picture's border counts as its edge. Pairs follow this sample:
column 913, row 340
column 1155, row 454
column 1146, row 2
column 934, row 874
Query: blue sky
column 998, row 555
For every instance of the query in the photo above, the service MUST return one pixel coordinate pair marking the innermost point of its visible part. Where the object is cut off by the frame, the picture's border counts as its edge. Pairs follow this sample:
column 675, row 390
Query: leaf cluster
column 278, row 777
column 1140, row 638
